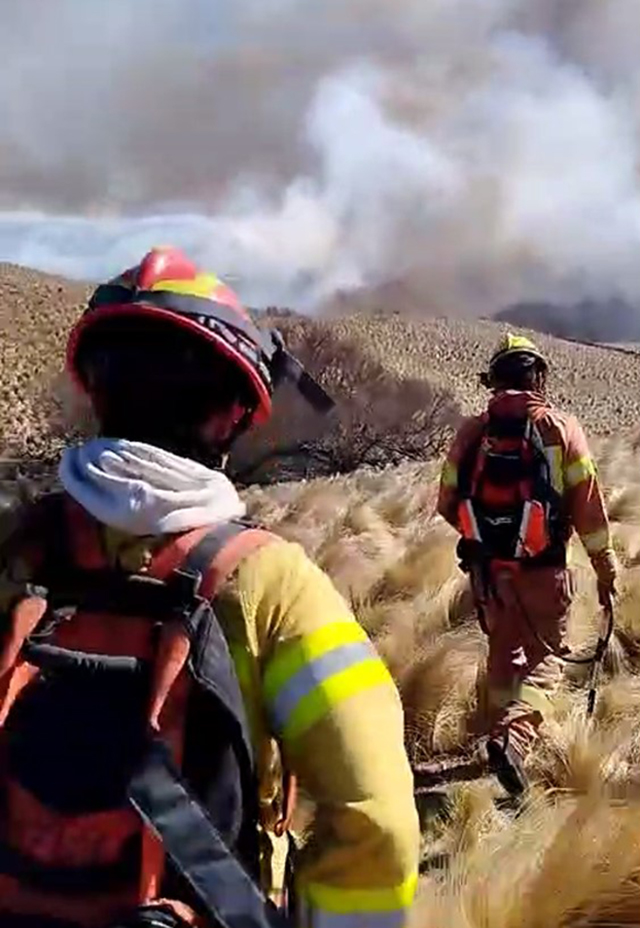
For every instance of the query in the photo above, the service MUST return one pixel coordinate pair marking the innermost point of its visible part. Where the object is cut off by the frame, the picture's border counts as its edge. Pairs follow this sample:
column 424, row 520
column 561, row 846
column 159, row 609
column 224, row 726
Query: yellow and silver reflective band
column 579, row 470
column 332, row 907
column 449, row 476
column 317, row 918
column 309, row 676
column 596, row 542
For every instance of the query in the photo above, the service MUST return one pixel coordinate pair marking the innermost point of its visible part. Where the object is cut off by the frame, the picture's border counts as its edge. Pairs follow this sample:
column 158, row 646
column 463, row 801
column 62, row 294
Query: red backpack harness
column 92, row 639
column 509, row 511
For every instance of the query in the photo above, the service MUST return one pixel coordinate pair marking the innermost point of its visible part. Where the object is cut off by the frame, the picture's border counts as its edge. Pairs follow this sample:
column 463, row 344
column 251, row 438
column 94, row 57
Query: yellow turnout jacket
column 312, row 680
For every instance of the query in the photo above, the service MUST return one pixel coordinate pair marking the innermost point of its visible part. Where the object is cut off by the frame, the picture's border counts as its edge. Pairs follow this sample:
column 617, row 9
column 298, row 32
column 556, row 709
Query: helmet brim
column 263, row 407
column 512, row 352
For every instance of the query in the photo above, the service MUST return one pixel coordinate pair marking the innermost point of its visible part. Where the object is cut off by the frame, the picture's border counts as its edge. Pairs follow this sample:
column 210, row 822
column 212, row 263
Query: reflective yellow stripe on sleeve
column 596, row 542
column 579, row 470
column 360, row 908
column 309, row 676
column 449, row 475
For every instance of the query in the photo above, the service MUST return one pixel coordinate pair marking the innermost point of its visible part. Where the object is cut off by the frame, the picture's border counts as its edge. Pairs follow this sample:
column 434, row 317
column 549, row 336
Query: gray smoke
column 481, row 152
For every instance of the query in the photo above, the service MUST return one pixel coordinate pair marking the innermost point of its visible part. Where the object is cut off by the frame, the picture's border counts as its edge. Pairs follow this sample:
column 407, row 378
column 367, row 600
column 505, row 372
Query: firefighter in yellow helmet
column 176, row 370
column 517, row 481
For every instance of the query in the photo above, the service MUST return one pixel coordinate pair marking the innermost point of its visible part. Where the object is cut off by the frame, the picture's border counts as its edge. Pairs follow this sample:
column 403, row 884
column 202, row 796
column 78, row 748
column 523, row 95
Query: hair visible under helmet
column 516, row 364
column 169, row 356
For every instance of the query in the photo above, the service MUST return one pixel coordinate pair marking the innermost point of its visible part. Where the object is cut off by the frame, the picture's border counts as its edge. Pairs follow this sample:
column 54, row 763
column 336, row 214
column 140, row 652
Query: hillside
column 36, row 311
column 613, row 320
column 601, row 386
column 571, row 857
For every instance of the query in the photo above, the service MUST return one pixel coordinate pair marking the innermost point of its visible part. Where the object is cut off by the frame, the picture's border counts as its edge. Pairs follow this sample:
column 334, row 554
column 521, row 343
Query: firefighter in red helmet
column 142, row 725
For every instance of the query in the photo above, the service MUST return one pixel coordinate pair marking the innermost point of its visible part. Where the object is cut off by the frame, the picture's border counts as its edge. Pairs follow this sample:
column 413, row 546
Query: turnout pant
column 521, row 611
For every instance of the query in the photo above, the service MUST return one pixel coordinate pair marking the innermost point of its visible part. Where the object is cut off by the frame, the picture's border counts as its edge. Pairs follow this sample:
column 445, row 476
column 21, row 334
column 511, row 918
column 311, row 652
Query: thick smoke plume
column 480, row 152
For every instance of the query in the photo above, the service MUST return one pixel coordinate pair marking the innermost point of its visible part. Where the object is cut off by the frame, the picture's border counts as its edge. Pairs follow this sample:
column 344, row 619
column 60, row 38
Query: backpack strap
column 24, row 618
column 221, row 551
column 469, row 463
column 209, row 556
column 188, row 836
column 196, row 847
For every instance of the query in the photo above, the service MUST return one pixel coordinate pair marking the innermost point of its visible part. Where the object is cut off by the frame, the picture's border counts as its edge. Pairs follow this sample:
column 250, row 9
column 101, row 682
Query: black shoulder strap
column 551, row 494
column 212, row 664
column 196, row 847
column 56, row 544
column 197, row 843
column 199, row 559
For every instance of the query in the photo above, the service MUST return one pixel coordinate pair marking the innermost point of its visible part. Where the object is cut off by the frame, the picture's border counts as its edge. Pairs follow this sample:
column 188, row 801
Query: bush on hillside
column 379, row 419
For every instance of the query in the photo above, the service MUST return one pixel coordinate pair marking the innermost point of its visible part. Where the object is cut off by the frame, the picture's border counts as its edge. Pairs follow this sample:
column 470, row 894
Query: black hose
column 594, row 659
column 601, row 645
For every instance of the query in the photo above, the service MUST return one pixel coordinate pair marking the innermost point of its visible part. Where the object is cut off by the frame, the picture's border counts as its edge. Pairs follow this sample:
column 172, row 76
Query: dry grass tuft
column 564, row 861
column 571, row 859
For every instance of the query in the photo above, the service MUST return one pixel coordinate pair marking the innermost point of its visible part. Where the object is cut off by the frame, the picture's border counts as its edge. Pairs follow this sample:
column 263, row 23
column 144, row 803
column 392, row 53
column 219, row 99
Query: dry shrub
column 596, row 384
column 438, row 690
column 380, row 419
column 570, row 862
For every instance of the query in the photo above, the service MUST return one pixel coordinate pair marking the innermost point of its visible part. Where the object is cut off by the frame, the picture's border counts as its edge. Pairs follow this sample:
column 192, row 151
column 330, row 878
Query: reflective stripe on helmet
column 205, row 309
column 166, row 285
